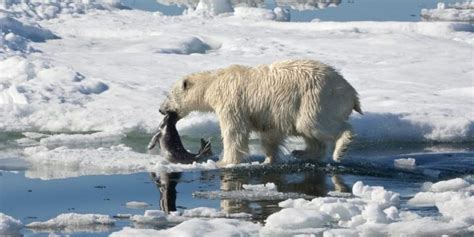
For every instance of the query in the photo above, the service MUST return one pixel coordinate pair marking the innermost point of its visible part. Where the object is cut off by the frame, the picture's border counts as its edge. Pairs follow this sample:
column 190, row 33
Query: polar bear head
column 188, row 94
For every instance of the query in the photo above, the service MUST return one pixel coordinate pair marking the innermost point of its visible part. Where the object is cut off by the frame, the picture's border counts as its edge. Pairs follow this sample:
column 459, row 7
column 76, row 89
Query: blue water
column 346, row 10
column 31, row 200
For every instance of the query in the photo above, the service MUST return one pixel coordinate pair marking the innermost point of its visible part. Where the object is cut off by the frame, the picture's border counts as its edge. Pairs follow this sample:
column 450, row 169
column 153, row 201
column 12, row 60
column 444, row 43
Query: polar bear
column 304, row 98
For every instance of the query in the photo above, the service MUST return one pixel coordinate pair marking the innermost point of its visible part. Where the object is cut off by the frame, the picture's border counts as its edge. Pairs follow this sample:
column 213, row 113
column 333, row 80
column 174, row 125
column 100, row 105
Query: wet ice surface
column 30, row 196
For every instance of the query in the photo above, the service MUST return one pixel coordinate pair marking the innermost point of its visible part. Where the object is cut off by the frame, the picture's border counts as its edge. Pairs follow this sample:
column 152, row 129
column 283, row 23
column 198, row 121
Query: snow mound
column 137, row 205
column 187, row 46
column 376, row 194
column 15, row 36
column 293, row 221
column 41, row 95
column 10, row 43
column 73, row 221
column 34, row 33
column 9, row 226
column 448, row 185
column 256, row 14
column 211, row 8
column 262, row 14
column 448, row 191
column 198, row 227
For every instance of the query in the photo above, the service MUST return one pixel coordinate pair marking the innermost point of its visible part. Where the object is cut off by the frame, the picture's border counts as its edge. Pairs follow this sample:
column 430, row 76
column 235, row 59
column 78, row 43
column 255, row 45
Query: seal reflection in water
column 170, row 143
column 173, row 150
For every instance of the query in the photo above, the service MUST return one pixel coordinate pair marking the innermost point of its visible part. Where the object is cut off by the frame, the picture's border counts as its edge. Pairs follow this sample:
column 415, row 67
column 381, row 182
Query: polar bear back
column 288, row 96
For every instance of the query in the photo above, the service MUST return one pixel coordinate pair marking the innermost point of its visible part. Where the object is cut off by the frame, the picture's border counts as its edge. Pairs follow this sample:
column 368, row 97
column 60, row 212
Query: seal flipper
column 205, row 149
column 154, row 140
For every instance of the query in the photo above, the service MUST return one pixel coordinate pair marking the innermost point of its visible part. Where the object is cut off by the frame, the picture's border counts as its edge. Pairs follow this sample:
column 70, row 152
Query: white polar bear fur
column 289, row 98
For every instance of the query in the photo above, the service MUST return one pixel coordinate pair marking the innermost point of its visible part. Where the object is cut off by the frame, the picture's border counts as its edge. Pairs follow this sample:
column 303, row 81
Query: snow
column 32, row 32
column 73, row 221
column 66, row 158
column 187, row 46
column 262, row 14
column 9, row 226
column 75, row 140
column 63, row 89
column 405, row 163
column 137, row 205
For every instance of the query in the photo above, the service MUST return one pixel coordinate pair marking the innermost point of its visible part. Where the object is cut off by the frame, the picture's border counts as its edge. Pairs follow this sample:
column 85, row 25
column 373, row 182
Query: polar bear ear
column 185, row 84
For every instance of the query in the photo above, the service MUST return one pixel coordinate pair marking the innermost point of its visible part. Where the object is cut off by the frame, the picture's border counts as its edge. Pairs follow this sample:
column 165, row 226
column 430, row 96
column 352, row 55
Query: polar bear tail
column 342, row 144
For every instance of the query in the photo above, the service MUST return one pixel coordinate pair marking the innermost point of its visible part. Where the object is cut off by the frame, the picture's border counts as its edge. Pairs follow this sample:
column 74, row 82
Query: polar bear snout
column 166, row 107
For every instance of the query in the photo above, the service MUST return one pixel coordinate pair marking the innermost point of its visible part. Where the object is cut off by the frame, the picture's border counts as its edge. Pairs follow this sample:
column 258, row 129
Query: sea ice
column 376, row 194
column 366, row 214
column 457, row 12
column 207, row 212
column 266, row 191
column 9, row 226
column 63, row 162
column 137, row 205
column 198, row 227
column 405, row 163
column 73, row 221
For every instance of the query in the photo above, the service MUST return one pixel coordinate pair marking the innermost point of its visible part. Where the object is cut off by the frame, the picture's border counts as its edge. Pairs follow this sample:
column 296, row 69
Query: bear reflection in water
column 311, row 183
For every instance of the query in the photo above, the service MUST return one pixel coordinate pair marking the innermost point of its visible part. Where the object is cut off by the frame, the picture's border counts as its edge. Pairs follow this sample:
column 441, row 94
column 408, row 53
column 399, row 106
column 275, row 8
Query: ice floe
column 405, row 163
column 372, row 211
column 456, row 12
column 9, row 226
column 158, row 217
column 137, row 205
column 74, row 222
column 250, row 192
column 198, row 227
column 66, row 158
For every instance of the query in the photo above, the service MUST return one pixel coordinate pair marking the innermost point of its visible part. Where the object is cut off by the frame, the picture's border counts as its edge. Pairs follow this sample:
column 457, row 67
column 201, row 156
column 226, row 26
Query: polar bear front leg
column 236, row 145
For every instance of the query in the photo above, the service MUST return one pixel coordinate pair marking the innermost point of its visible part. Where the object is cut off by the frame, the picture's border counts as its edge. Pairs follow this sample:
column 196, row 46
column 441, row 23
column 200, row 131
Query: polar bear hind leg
column 271, row 141
column 342, row 143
